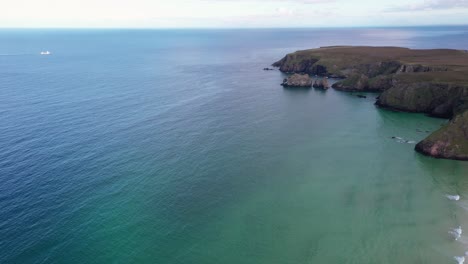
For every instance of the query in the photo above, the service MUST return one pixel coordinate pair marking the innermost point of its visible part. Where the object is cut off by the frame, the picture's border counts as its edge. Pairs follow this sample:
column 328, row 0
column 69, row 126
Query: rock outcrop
column 449, row 142
column 291, row 63
column 298, row 80
column 321, row 84
column 355, row 82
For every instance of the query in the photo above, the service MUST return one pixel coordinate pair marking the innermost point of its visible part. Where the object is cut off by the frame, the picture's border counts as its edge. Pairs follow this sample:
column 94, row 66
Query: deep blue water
column 173, row 146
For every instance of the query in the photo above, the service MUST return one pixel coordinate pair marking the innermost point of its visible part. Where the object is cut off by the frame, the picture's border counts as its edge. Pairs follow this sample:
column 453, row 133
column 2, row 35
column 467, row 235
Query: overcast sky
column 230, row 13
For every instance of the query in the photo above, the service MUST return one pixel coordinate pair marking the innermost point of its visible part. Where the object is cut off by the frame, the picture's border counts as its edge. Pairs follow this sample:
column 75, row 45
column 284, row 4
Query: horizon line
column 226, row 28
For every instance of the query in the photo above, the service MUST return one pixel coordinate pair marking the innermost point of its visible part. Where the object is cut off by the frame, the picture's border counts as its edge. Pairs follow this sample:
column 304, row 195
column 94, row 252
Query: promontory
column 432, row 81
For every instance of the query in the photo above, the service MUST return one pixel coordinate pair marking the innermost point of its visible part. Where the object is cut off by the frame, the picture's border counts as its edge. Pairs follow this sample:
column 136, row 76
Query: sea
column 174, row 146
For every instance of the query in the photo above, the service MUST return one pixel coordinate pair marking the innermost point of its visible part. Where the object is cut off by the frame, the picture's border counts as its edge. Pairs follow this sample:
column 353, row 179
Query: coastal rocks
column 318, row 69
column 298, row 80
column 353, row 83
column 449, row 142
column 292, row 63
column 363, row 83
column 321, row 84
column 300, row 64
column 410, row 97
column 304, row 80
column 444, row 110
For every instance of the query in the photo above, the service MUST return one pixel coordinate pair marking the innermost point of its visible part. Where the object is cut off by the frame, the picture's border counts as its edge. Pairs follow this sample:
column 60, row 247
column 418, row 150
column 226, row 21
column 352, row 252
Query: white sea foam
column 463, row 240
column 402, row 140
column 455, row 197
column 456, row 232
column 460, row 259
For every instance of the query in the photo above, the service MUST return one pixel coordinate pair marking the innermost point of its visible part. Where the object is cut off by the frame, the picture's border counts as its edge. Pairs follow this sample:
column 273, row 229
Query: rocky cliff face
column 298, row 80
column 321, row 84
column 298, row 64
column 449, row 142
column 436, row 99
column 420, row 68
column 355, row 82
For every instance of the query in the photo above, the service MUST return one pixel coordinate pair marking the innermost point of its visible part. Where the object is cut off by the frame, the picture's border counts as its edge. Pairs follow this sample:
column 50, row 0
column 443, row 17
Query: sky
column 229, row 13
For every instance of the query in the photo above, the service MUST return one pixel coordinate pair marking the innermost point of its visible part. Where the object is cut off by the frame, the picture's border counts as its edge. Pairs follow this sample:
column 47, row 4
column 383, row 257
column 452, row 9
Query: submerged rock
column 298, row 80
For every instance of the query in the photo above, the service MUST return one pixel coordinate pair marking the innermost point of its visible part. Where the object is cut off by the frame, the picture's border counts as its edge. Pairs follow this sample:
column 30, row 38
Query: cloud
column 313, row 1
column 430, row 5
column 284, row 11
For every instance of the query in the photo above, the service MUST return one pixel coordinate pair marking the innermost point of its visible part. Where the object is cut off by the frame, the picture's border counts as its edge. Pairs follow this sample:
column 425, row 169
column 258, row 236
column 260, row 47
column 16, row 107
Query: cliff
column 373, row 68
column 449, row 142
column 426, row 81
column 434, row 98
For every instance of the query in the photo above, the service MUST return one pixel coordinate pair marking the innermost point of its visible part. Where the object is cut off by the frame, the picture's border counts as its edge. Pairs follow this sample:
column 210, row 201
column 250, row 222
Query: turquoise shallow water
column 175, row 147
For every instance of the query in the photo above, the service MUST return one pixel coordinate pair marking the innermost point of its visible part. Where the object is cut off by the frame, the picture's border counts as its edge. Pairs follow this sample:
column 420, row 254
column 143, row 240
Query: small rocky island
column 433, row 81
column 298, row 80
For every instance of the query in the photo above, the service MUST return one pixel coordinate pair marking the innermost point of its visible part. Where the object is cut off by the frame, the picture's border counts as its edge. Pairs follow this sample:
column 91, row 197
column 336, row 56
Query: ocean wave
column 459, row 259
column 455, row 197
column 456, row 232
column 402, row 140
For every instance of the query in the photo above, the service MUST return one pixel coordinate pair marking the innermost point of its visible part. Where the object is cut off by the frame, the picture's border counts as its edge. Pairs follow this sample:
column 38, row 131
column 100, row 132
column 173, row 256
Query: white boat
column 45, row 52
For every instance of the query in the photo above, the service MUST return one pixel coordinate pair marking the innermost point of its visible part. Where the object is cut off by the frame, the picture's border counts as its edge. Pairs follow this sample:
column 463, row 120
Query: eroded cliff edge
column 425, row 81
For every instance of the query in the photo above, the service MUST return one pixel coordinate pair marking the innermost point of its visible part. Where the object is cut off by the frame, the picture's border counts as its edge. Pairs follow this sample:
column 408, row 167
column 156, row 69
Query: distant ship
column 45, row 52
